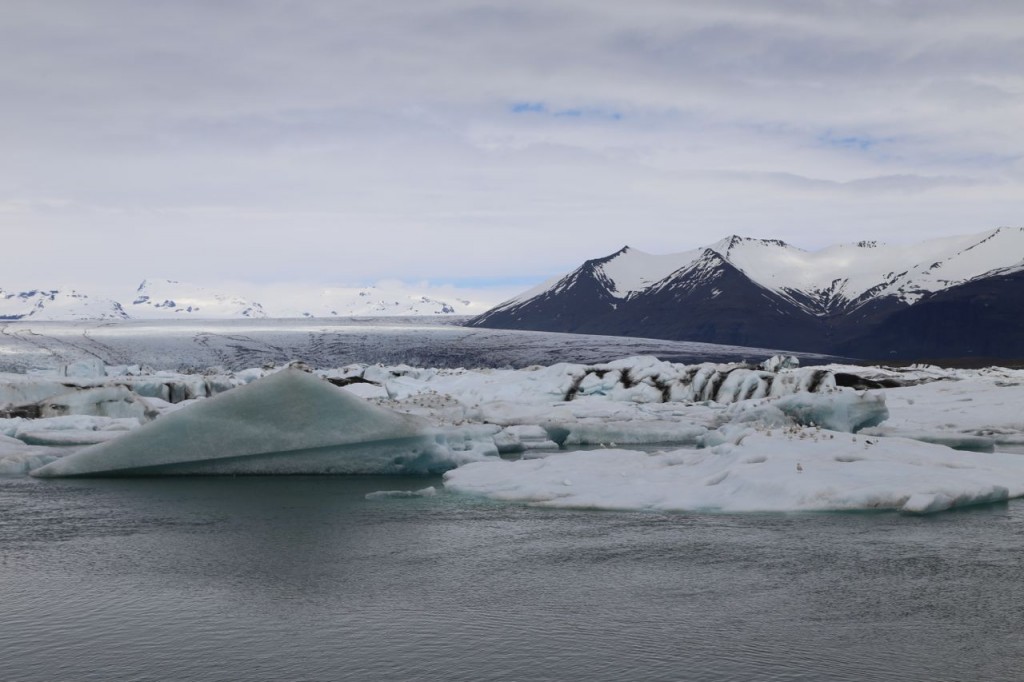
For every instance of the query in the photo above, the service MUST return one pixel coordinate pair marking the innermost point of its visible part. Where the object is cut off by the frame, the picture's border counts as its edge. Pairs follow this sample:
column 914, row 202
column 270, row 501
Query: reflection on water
column 305, row 579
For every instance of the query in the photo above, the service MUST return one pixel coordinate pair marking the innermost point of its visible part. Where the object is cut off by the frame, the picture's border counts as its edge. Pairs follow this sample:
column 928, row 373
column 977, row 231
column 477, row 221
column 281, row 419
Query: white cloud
column 344, row 142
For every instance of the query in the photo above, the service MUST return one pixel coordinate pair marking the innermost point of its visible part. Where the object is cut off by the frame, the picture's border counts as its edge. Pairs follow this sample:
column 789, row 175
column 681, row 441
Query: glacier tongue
column 289, row 422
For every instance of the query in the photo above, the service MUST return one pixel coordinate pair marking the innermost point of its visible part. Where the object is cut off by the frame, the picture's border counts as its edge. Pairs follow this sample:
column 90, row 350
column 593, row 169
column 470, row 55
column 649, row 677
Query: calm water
column 304, row 579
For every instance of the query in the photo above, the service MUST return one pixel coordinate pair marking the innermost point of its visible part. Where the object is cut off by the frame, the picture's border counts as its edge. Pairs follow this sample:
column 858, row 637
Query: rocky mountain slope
column 946, row 297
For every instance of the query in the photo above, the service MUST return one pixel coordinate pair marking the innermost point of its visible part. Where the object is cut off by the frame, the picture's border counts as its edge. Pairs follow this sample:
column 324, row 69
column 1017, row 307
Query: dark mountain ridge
column 965, row 300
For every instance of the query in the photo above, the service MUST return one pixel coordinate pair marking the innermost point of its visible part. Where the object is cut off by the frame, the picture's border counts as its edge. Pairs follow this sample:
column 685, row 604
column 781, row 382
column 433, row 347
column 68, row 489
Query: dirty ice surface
column 736, row 437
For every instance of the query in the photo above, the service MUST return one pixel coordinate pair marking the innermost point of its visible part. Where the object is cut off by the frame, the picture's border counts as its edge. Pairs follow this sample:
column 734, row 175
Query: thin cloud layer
column 459, row 141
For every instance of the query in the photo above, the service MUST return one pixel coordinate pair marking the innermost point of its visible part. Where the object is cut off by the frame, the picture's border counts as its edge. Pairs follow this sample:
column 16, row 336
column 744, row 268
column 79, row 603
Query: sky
column 490, row 145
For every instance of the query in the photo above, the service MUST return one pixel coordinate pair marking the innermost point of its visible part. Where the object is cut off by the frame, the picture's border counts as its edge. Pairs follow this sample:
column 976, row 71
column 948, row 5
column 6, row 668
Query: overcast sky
column 473, row 142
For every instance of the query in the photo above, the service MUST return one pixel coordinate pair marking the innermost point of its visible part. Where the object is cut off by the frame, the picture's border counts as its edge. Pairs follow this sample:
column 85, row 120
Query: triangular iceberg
column 289, row 422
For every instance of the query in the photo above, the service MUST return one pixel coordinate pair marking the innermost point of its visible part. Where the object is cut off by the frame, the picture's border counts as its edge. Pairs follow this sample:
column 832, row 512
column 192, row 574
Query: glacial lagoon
column 337, row 578
column 304, row 578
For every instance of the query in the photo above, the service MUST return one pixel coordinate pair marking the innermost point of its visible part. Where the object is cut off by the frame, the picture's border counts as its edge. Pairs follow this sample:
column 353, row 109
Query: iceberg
column 429, row 491
column 849, row 412
column 770, row 437
column 781, row 470
column 289, row 422
column 67, row 430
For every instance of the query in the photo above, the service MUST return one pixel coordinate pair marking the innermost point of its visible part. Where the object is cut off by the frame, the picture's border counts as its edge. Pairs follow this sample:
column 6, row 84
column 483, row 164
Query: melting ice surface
column 735, row 437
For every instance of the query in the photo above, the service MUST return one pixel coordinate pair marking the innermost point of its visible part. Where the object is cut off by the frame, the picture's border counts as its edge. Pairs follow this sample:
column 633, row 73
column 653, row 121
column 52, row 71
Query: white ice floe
column 67, row 430
column 27, row 444
column 979, row 410
column 429, row 491
column 18, row 458
column 288, row 422
column 523, row 438
column 789, row 470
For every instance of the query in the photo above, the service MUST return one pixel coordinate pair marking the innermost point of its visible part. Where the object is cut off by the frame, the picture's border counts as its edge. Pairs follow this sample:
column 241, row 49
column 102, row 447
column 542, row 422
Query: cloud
column 352, row 141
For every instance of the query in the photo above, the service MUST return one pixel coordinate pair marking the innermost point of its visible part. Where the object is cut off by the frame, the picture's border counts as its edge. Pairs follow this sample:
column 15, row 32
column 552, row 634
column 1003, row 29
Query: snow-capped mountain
column 54, row 304
column 373, row 301
column 768, row 293
column 171, row 299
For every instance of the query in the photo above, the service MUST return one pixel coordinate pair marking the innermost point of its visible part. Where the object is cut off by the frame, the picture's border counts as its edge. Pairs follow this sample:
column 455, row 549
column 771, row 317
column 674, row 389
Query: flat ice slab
column 288, row 422
column 788, row 470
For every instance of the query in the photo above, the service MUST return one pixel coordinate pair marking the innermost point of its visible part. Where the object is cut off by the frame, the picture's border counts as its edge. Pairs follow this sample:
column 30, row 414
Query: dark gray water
column 296, row 578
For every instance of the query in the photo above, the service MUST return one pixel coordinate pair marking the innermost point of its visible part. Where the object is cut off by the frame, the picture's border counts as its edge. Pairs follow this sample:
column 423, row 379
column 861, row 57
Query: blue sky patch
column 528, row 108
column 571, row 112
column 863, row 143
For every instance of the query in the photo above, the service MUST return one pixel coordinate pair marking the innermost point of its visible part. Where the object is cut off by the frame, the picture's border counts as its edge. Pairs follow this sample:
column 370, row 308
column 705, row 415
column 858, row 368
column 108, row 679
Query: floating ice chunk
column 928, row 503
column 521, row 438
column 634, row 432
column 10, row 426
column 18, row 427
column 925, row 503
column 103, row 401
column 976, row 410
column 468, row 443
column 777, row 362
column 153, row 388
column 24, row 392
column 506, row 413
column 247, row 376
column 9, row 441
column 19, row 464
column 89, row 368
column 805, row 379
column 366, row 390
column 73, row 430
column 62, row 438
column 957, row 441
column 17, row 458
column 805, row 470
column 429, row 491
column 840, row 411
column 288, row 422
column 845, row 411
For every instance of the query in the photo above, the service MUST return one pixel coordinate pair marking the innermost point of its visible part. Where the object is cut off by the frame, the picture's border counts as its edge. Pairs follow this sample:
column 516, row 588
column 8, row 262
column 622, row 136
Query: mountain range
column 170, row 299
column 952, row 297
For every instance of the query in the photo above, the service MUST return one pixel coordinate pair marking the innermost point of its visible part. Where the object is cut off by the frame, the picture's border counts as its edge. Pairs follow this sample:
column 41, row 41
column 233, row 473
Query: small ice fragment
column 429, row 491
column 925, row 503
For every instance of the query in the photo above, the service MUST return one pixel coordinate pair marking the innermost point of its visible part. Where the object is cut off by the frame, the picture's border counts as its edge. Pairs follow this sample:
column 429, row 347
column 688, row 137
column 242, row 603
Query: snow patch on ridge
column 54, row 304
column 819, row 282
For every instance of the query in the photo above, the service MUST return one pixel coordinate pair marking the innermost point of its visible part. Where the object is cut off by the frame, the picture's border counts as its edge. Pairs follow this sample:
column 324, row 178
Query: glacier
column 289, row 422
